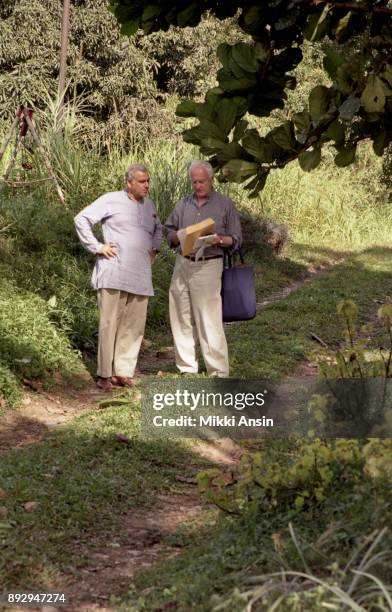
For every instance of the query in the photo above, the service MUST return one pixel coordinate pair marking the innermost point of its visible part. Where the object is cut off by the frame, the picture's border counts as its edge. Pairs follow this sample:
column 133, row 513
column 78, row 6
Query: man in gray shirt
column 194, row 299
column 122, row 274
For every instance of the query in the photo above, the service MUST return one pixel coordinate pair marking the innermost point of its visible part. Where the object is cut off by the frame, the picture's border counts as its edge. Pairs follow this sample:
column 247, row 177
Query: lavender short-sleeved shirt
column 135, row 229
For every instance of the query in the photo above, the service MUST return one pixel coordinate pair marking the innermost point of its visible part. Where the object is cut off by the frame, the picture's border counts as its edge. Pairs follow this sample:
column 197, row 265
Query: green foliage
column 123, row 82
column 282, row 551
column 115, row 77
column 10, row 394
column 292, row 480
column 30, row 345
column 255, row 77
column 358, row 358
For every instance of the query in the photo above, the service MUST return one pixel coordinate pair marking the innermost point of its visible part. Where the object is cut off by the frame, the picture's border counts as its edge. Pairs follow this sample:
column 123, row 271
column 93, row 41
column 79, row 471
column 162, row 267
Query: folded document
column 189, row 236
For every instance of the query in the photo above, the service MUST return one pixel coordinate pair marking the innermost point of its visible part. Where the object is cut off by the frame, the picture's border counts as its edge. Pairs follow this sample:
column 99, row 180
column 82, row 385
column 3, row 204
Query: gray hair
column 197, row 163
column 131, row 171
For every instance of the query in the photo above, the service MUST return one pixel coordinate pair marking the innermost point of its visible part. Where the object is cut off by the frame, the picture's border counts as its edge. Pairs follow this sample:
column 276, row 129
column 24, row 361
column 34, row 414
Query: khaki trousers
column 195, row 308
column 122, row 319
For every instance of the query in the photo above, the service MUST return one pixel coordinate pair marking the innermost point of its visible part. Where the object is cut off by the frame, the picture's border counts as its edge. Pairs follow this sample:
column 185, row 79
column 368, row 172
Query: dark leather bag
column 238, row 290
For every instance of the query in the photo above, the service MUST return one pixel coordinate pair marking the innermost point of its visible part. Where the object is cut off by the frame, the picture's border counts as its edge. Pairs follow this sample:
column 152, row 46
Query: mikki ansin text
column 212, row 421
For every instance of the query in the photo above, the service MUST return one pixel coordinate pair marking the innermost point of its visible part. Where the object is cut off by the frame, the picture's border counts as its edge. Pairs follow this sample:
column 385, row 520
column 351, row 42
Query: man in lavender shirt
column 132, row 236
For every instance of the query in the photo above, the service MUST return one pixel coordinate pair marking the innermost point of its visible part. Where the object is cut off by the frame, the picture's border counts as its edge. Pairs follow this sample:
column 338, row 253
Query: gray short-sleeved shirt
column 220, row 208
column 135, row 229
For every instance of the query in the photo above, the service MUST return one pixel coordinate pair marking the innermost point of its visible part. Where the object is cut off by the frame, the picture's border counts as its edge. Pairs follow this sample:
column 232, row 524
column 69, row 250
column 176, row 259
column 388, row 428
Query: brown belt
column 192, row 257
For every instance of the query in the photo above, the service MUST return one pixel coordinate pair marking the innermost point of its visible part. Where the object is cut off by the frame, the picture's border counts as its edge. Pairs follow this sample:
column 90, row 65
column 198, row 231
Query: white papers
column 201, row 244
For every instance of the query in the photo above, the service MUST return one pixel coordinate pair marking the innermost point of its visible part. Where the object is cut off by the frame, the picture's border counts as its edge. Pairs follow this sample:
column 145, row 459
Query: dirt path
column 41, row 412
column 281, row 294
column 144, row 538
column 141, row 543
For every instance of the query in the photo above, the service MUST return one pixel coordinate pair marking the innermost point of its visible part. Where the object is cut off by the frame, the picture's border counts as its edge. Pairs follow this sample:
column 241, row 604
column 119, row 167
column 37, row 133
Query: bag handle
column 229, row 257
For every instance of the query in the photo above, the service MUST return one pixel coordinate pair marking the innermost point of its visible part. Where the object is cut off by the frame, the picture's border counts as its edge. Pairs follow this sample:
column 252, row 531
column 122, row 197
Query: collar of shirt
column 133, row 199
column 194, row 199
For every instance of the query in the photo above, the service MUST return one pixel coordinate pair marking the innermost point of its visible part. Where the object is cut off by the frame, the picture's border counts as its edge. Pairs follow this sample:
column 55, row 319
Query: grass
column 284, row 328
column 84, row 482
column 219, row 562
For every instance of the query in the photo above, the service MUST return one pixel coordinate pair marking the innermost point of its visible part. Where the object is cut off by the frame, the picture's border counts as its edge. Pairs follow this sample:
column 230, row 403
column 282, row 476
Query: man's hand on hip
column 153, row 255
column 108, row 250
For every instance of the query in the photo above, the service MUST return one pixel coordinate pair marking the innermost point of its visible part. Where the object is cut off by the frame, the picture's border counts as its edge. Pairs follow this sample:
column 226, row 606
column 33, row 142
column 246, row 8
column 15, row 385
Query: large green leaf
column 346, row 156
column 258, row 147
column 302, row 126
column 213, row 95
column 308, row 160
column 151, row 11
column 344, row 79
column 240, row 129
column 231, row 150
column 186, row 108
column 244, row 55
column 331, row 62
column 318, row 24
column 257, row 184
column 228, row 83
column 236, row 70
column 212, row 145
column 206, row 129
column 238, row 170
column 224, row 54
column 252, row 16
column 318, row 102
column 283, row 136
column 241, row 105
column 342, row 31
column 373, row 96
column 226, row 113
column 129, row 28
column 380, row 142
column 335, row 132
column 205, row 111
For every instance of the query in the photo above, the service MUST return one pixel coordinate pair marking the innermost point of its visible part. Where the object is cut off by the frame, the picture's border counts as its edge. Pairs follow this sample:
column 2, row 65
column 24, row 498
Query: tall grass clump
column 338, row 207
column 362, row 584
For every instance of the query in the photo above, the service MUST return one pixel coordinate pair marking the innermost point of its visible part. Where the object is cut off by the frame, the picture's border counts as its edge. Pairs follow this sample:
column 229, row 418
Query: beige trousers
column 195, row 308
column 122, row 319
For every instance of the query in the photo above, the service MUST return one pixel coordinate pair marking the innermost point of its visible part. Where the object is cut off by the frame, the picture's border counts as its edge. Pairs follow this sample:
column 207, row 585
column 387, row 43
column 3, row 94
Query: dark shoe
column 104, row 383
column 122, row 381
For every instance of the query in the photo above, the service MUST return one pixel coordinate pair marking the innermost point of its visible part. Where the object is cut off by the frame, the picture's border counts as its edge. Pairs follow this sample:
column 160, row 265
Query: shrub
column 10, row 393
column 30, row 344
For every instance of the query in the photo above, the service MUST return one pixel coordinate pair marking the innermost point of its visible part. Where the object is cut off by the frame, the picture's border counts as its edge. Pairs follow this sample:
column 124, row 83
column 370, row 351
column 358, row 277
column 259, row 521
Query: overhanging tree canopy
column 255, row 76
